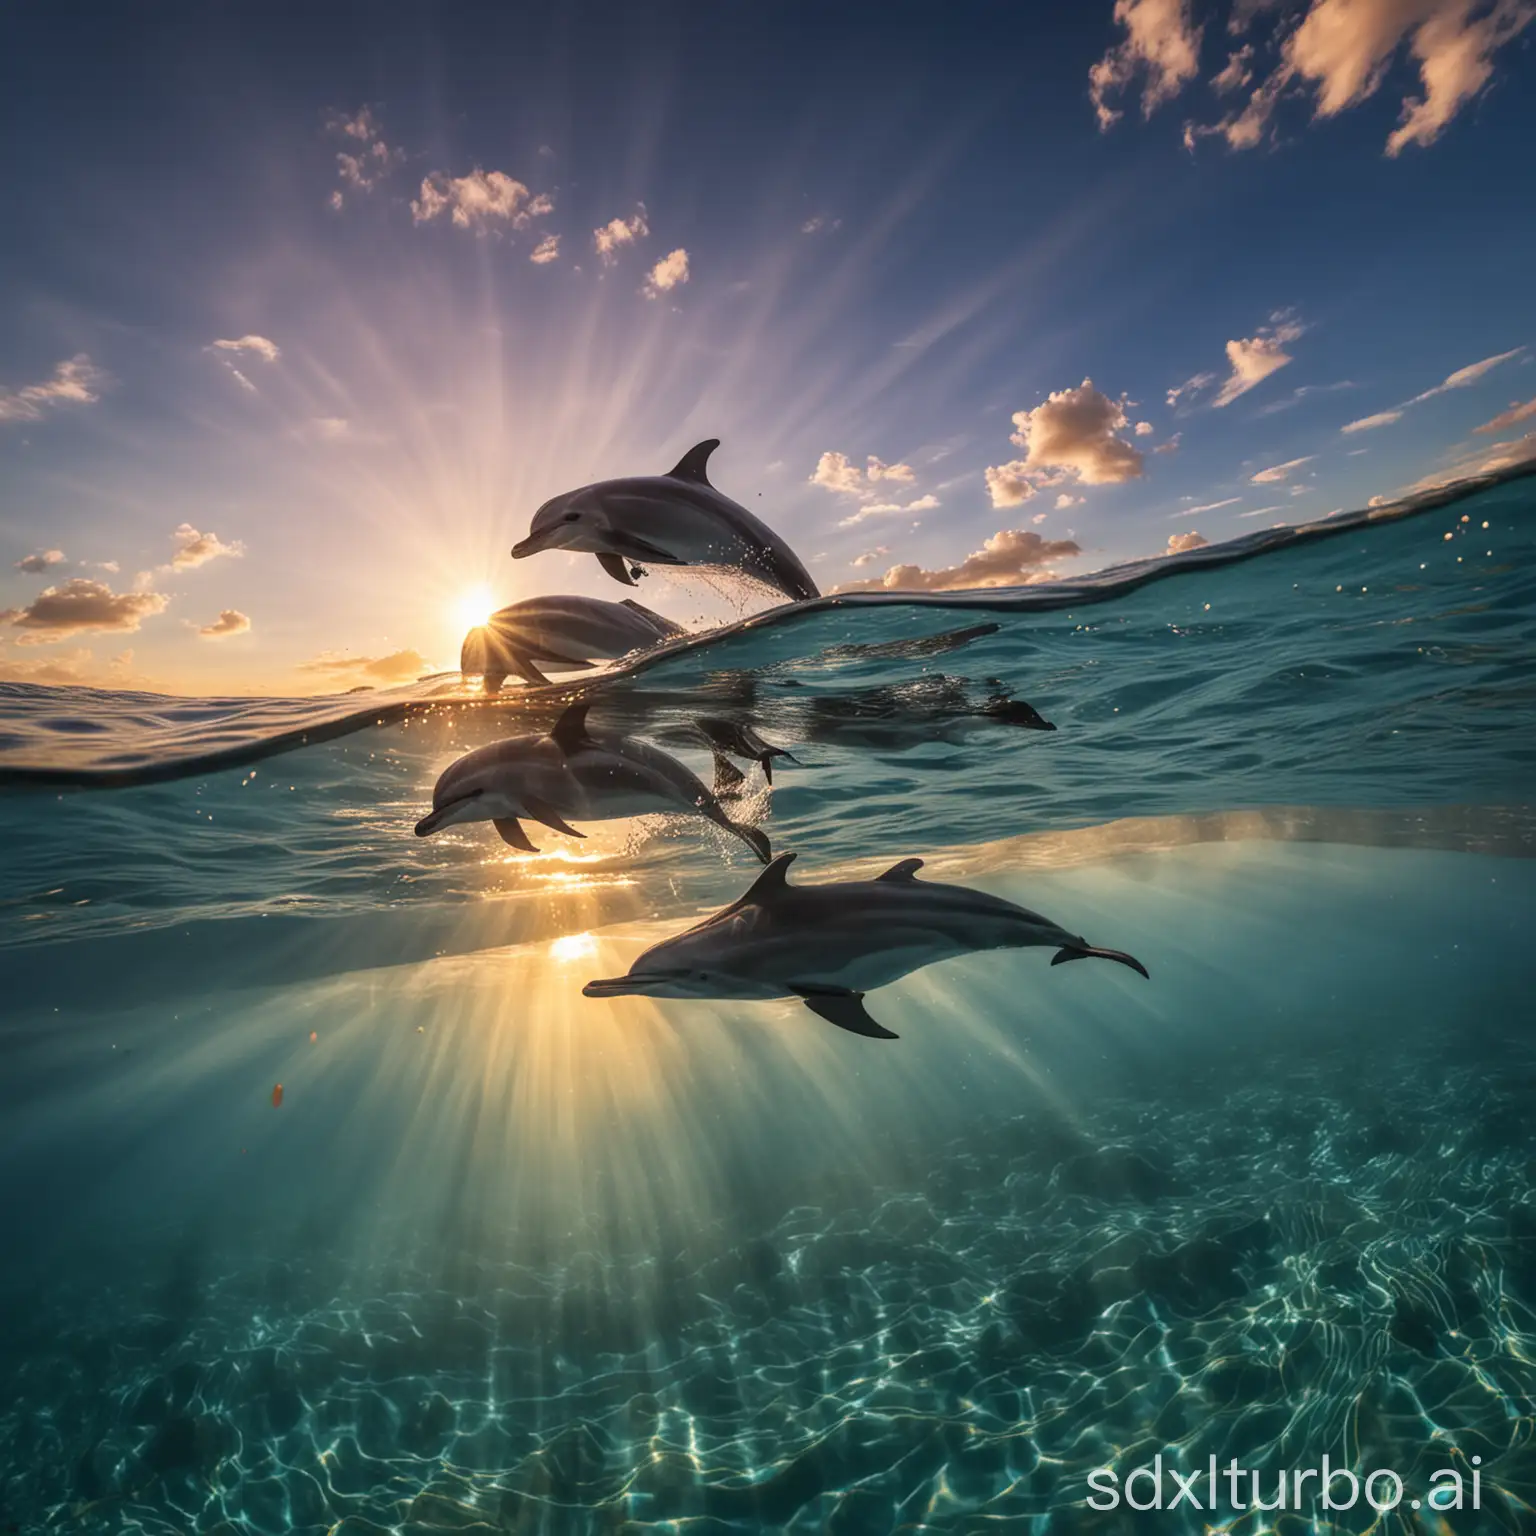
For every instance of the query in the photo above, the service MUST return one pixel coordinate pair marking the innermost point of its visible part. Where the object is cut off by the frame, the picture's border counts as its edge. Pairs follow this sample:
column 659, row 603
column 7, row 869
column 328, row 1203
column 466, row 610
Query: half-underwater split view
column 768, row 770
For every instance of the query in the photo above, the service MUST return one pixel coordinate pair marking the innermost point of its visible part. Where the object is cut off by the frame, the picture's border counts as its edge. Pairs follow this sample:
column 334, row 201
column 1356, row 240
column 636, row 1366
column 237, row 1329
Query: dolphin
column 571, row 775
column 566, row 634
column 830, row 944
column 738, row 738
column 672, row 519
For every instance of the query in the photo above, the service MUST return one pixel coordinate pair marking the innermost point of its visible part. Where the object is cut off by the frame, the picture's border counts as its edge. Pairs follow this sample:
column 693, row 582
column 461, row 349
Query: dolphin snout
column 526, row 547
column 613, row 986
column 442, row 815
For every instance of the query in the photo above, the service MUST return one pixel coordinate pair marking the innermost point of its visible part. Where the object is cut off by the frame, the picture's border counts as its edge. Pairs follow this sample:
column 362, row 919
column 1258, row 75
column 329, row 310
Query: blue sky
column 281, row 380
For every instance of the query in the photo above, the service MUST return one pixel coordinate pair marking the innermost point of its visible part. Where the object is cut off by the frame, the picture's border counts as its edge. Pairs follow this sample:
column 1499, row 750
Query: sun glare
column 474, row 607
column 573, row 946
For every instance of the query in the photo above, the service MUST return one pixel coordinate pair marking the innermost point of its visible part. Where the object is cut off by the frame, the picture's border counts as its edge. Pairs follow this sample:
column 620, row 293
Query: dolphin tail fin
column 616, row 566
column 728, row 777
column 756, row 840
column 1089, row 952
column 846, row 1010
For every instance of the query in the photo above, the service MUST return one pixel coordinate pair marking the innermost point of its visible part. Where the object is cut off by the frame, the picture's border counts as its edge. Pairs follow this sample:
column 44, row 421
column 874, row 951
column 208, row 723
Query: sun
column 474, row 607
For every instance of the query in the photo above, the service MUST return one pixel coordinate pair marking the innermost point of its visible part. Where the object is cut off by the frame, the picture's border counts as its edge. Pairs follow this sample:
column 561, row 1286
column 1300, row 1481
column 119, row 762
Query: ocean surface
column 328, row 1204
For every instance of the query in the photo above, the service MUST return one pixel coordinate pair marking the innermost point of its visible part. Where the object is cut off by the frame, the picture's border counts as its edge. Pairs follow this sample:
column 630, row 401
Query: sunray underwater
column 768, row 770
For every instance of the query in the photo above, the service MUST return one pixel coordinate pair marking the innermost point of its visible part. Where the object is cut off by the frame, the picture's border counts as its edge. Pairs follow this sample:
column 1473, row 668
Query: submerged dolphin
column 673, row 519
column 830, row 944
column 571, row 775
column 566, row 634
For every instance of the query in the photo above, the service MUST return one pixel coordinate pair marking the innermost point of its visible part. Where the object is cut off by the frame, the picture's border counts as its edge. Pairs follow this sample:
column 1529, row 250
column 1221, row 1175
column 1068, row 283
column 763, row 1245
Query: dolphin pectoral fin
column 846, row 1010
column 901, row 874
column 512, row 834
column 1088, row 952
column 492, row 681
column 691, row 465
column 617, row 567
column 543, row 811
column 528, row 671
column 632, row 547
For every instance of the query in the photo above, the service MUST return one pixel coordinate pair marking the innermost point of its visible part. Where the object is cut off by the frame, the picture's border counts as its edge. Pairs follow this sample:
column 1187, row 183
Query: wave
column 73, row 737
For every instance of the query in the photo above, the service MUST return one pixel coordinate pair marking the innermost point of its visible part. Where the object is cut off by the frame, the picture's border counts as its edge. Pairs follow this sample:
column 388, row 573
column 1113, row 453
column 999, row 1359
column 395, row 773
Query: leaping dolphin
column 830, row 944
column 571, row 775
column 565, row 634
column 673, row 519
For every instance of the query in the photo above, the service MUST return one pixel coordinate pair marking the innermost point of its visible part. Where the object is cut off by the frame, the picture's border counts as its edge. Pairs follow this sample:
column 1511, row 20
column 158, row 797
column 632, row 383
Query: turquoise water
column 508, row 1259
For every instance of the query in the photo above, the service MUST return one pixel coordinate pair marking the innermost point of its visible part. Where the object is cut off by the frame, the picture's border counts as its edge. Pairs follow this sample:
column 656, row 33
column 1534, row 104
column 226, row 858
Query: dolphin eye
column 571, row 517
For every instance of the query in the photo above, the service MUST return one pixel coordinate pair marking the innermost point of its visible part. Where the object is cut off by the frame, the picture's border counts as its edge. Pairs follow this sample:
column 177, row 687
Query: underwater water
column 499, row 1257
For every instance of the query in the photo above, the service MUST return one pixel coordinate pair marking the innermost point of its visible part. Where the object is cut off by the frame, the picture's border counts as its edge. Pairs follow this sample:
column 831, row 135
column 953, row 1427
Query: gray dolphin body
column 673, row 519
column 571, row 775
column 564, row 634
column 830, row 944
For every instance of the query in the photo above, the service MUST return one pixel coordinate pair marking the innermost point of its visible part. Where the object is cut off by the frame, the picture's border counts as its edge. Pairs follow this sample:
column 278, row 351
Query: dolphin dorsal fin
column 773, row 880
column 691, row 465
column 903, row 873
column 570, row 730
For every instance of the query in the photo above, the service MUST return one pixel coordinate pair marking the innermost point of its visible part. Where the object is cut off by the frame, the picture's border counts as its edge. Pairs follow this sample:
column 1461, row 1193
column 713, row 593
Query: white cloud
column 1505, row 419
column 1008, row 485
column 257, row 346
column 869, row 556
column 1039, row 518
column 1144, row 429
column 76, row 381
column 837, row 472
column 1010, row 558
column 1071, row 435
column 888, row 508
column 668, row 273
column 1067, row 499
column 547, row 250
column 1160, row 43
column 63, row 669
column 78, row 606
column 1171, row 446
column 1462, row 378
column 1190, row 388
column 1342, row 51
column 1237, row 72
column 1209, row 506
column 815, row 225
column 230, row 622
column 366, row 160
column 402, row 666
column 194, row 548
column 1179, row 542
column 616, row 233
column 1278, row 472
column 1260, row 511
column 1255, row 358
column 480, row 201
column 40, row 562
column 1370, row 423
